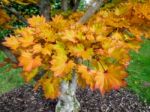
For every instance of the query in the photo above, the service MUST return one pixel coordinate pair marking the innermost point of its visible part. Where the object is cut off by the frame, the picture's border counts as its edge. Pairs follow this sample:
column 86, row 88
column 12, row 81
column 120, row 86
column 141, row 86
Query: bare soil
column 24, row 99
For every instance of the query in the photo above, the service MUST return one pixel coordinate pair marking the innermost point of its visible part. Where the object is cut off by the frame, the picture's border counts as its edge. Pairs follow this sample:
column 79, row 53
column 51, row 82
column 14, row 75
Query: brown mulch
column 24, row 99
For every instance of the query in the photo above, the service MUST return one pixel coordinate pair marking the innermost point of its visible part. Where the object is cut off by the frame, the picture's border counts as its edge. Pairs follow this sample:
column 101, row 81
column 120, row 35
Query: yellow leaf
column 86, row 75
column 69, row 36
column 28, row 76
column 122, row 10
column 26, row 41
column 47, row 34
column 101, row 66
column 87, row 54
column 47, row 50
column 37, row 48
column 60, row 66
column 11, row 42
column 51, row 88
column 6, row 1
column 117, row 36
column 59, row 47
column 79, row 51
column 59, row 23
column 37, row 21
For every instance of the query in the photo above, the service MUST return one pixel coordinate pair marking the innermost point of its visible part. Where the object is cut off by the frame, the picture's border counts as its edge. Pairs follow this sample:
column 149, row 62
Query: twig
column 14, row 12
column 17, row 14
column 146, row 84
column 8, row 53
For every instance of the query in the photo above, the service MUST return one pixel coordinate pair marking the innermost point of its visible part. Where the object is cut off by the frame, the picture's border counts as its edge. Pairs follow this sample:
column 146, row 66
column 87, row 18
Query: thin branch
column 91, row 11
column 14, row 12
column 17, row 14
column 8, row 53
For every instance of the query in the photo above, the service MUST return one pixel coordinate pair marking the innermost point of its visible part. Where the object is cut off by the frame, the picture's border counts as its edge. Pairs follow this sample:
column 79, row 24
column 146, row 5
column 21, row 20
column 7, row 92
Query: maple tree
column 97, row 50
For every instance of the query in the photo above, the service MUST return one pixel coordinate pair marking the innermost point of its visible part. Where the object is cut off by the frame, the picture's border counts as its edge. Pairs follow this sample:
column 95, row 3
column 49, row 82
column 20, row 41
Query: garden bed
column 24, row 99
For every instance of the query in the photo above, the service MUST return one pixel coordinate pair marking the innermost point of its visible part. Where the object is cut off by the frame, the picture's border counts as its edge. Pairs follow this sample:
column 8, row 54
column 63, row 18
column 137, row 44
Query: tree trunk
column 91, row 11
column 64, row 5
column 67, row 100
column 45, row 9
column 72, row 3
column 76, row 5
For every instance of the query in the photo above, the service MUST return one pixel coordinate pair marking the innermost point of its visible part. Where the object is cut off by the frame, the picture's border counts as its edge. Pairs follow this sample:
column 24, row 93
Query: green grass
column 139, row 71
column 9, row 78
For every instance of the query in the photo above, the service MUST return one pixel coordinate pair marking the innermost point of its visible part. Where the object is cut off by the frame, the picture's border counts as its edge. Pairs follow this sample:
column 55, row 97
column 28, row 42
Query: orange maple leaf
column 28, row 61
column 87, row 75
column 113, row 78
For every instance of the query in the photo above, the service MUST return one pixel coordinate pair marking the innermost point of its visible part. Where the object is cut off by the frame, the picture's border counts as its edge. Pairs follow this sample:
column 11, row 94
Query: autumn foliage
column 22, row 2
column 4, row 19
column 97, row 50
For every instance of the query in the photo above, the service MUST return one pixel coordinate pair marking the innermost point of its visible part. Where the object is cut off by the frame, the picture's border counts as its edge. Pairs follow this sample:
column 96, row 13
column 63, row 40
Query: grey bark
column 18, row 15
column 91, row 11
column 45, row 8
column 64, row 5
column 67, row 100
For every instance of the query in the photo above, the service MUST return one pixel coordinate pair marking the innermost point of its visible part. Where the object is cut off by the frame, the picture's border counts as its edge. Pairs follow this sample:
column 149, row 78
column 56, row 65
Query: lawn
column 9, row 78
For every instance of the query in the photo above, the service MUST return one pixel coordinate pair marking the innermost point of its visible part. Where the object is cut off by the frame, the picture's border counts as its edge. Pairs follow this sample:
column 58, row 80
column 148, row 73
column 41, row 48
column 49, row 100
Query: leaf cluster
column 97, row 50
